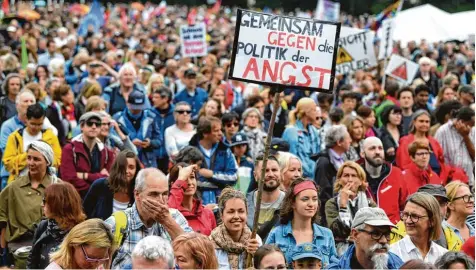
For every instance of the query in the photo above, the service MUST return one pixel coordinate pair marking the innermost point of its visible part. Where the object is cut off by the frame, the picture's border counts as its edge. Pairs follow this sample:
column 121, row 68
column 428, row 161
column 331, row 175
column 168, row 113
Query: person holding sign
column 303, row 138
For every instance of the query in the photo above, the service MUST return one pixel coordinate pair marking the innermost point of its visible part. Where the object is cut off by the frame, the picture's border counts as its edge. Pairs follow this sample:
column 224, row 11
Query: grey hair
column 450, row 257
column 6, row 81
column 142, row 175
column 127, row 67
column 154, row 248
column 334, row 135
column 24, row 92
column 182, row 103
column 250, row 110
column 415, row 115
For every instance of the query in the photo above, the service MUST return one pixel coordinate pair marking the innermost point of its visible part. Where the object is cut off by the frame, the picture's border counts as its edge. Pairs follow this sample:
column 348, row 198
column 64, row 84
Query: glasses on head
column 377, row 235
column 232, row 124
column 183, row 112
column 414, row 218
column 466, row 198
column 422, row 154
column 93, row 260
column 93, row 123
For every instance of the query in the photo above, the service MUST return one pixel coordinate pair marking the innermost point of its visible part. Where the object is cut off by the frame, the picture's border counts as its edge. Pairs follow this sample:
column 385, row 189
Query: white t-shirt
column 118, row 206
column 28, row 139
column 176, row 139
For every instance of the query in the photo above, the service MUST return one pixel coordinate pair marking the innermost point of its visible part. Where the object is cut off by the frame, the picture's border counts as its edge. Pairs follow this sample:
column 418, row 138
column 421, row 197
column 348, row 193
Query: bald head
column 372, row 151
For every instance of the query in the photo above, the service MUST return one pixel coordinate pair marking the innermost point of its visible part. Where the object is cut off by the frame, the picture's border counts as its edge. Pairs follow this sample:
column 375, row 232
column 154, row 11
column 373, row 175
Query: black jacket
column 43, row 244
column 282, row 120
column 388, row 142
column 53, row 115
column 324, row 177
column 433, row 82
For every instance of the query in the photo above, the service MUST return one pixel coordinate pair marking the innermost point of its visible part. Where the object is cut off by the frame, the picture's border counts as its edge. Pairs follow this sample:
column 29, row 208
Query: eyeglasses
column 91, row 123
column 466, row 198
column 413, row 217
column 422, row 154
column 183, row 112
column 319, row 118
column 376, row 235
column 232, row 124
column 106, row 124
column 93, row 260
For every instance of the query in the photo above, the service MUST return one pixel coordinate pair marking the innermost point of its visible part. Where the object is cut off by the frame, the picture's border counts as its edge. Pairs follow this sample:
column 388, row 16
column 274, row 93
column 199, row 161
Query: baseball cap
column 11, row 28
column 88, row 116
column 136, row 100
column 372, row 216
column 189, row 73
column 278, row 144
column 239, row 139
column 434, row 190
column 306, row 250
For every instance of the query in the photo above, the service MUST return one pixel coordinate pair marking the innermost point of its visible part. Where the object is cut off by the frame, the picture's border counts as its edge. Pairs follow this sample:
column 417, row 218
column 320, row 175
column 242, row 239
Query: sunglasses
column 93, row 260
column 183, row 112
column 233, row 124
column 91, row 123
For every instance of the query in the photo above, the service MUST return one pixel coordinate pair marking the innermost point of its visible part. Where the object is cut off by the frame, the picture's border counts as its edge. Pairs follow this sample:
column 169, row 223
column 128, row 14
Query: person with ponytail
column 303, row 138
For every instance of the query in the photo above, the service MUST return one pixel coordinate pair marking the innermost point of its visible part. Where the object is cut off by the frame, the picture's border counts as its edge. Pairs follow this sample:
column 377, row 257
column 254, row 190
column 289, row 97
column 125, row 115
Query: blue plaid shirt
column 136, row 230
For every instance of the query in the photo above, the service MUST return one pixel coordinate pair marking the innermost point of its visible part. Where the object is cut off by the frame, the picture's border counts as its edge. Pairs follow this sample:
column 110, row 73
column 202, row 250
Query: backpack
column 120, row 229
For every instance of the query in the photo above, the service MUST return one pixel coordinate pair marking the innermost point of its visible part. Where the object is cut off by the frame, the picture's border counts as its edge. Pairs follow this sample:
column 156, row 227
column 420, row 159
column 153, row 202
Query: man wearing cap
column 139, row 123
column 193, row 95
column 306, row 256
column 448, row 238
column 456, row 138
column 371, row 233
column 466, row 95
column 45, row 58
column 239, row 147
column 164, row 118
column 386, row 182
column 430, row 78
column 86, row 159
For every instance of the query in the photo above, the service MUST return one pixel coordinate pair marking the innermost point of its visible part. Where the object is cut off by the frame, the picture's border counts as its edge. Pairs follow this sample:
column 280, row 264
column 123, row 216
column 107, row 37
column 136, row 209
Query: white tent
column 462, row 24
column 423, row 22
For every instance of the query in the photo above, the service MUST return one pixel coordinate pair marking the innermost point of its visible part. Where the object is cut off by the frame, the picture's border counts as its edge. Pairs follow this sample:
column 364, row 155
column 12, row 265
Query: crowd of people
column 117, row 152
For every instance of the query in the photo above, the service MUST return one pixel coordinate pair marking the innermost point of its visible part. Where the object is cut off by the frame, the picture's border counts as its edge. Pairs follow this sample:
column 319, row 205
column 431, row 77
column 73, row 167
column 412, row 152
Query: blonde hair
column 153, row 78
column 360, row 174
column 284, row 160
column 94, row 103
column 451, row 190
column 432, row 208
column 199, row 247
column 93, row 232
column 348, row 122
column 299, row 112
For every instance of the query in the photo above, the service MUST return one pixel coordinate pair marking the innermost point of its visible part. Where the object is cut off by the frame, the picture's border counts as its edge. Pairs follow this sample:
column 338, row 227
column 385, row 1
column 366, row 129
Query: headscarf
column 47, row 152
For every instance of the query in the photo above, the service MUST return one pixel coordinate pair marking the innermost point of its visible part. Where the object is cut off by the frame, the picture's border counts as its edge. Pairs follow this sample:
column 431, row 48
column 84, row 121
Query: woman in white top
column 178, row 136
column 422, row 219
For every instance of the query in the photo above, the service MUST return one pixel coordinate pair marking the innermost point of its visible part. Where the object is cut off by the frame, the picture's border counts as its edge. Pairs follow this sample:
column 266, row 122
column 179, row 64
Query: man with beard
column 271, row 198
column 371, row 233
column 386, row 183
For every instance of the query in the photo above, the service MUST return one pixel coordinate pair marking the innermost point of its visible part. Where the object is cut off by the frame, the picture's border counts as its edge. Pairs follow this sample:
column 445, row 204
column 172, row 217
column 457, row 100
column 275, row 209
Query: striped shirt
column 454, row 150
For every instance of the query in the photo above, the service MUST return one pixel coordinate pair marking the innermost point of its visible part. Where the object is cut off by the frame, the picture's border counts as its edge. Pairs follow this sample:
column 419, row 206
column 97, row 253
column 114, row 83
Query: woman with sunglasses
column 460, row 206
column 63, row 210
column 298, row 222
column 89, row 245
column 231, row 125
column 422, row 219
column 178, row 136
column 194, row 251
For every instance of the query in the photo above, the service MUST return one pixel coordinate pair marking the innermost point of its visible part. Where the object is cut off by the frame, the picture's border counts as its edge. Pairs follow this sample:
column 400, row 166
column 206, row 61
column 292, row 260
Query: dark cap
column 434, row 190
column 306, row 250
column 190, row 73
column 239, row 139
column 278, row 144
column 136, row 100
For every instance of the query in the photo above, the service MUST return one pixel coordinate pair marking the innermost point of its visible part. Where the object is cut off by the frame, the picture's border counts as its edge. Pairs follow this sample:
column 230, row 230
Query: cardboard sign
column 279, row 50
column 193, row 40
column 386, row 39
column 401, row 69
column 355, row 52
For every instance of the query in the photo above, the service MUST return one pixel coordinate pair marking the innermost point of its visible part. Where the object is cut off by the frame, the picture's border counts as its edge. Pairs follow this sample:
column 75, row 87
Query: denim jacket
column 304, row 143
column 282, row 236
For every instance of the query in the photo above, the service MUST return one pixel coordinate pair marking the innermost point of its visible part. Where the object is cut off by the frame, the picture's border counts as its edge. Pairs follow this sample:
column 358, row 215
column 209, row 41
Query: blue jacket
column 115, row 100
column 303, row 143
column 147, row 130
column 196, row 101
column 161, row 123
column 282, row 236
column 224, row 167
column 394, row 262
column 98, row 201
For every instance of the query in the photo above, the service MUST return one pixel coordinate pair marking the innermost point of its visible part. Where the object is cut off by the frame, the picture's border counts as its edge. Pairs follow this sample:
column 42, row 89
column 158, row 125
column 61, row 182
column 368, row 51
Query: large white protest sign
column 193, row 40
column 280, row 50
column 401, row 69
column 355, row 52
column 386, row 40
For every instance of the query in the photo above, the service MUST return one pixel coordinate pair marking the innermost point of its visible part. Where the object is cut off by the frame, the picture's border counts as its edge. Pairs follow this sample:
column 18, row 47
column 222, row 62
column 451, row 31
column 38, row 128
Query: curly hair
column 287, row 211
column 227, row 194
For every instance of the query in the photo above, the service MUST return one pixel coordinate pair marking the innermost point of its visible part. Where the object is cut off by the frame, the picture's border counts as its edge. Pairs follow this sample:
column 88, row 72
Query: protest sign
column 281, row 50
column 401, row 69
column 386, row 39
column 193, row 40
column 355, row 52
column 327, row 10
